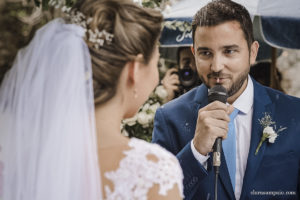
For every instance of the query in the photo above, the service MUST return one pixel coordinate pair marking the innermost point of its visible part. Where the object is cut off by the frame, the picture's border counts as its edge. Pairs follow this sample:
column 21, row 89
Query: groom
column 224, row 49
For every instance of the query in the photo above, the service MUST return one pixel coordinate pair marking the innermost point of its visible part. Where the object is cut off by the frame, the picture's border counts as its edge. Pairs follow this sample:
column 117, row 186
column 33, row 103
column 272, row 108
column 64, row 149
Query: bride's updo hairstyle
column 135, row 31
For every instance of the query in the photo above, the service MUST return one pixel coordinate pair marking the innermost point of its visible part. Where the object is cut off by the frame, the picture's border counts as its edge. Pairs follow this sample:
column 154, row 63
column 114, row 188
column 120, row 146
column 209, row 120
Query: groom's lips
column 218, row 80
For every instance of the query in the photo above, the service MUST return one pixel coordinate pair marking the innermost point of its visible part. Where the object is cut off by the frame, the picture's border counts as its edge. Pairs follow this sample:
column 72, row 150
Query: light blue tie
column 229, row 148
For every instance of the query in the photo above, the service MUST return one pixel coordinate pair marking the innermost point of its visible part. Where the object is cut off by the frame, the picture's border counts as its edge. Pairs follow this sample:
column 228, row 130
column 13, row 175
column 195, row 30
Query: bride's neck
column 108, row 119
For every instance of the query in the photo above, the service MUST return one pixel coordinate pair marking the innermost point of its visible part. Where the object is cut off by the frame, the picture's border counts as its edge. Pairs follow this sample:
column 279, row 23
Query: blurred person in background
column 261, row 72
column 179, row 80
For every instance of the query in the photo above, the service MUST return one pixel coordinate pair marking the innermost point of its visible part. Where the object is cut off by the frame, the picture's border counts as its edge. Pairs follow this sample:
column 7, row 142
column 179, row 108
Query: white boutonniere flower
column 269, row 132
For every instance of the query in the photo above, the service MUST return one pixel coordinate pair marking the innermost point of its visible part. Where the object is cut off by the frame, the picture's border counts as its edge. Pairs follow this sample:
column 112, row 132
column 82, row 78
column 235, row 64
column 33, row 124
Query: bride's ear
column 134, row 69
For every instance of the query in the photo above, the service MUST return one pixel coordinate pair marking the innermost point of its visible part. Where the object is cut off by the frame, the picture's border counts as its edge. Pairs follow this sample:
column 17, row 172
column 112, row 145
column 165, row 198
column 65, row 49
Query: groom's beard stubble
column 236, row 85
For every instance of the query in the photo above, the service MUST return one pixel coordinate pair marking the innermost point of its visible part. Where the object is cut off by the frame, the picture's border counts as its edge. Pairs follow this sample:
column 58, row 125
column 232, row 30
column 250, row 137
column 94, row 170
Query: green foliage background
column 14, row 33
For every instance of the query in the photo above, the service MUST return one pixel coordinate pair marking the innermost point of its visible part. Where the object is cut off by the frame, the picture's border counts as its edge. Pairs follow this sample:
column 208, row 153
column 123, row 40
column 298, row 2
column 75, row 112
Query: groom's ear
column 253, row 52
column 193, row 50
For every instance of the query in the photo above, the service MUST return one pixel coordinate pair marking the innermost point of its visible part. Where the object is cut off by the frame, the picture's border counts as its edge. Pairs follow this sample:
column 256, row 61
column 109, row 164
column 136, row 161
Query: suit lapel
column 262, row 104
column 200, row 100
column 200, row 97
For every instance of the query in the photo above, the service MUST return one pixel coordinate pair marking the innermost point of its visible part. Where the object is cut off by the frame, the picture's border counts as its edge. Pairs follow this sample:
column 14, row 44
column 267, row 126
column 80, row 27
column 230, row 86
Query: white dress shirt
column 243, row 126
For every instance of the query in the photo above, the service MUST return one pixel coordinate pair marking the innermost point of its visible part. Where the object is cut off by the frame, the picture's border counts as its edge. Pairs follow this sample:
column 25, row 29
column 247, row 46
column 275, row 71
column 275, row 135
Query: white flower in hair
column 98, row 38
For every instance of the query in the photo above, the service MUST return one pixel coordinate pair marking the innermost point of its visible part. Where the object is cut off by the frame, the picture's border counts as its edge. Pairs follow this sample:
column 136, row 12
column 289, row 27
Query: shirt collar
column 244, row 102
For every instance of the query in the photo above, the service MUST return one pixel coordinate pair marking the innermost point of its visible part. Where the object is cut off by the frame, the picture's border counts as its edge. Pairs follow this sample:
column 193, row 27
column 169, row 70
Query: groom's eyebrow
column 234, row 46
column 203, row 49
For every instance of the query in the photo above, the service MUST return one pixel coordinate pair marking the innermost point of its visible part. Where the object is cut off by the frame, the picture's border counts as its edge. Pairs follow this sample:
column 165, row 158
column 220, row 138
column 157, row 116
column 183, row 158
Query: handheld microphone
column 217, row 93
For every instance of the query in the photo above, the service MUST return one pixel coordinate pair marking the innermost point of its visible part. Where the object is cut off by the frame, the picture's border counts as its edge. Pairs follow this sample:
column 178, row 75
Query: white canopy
column 283, row 8
column 279, row 21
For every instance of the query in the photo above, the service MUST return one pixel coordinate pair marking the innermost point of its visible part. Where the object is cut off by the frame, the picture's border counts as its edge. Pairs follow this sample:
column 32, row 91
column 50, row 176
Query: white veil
column 47, row 128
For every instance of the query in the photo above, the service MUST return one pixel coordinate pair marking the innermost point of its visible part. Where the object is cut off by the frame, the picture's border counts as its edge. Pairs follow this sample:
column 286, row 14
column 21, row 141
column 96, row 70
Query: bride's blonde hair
column 135, row 31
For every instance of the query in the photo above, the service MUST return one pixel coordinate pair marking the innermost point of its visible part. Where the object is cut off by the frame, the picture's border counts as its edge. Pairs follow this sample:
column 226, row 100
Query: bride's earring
column 135, row 95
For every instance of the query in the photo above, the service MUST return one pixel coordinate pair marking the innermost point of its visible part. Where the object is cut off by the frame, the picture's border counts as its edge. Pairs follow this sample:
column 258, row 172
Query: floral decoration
column 180, row 25
column 269, row 132
column 141, row 125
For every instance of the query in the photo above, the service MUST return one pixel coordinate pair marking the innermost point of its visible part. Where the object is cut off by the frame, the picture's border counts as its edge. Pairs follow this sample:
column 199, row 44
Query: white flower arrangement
column 289, row 66
column 268, row 131
column 141, row 125
column 161, row 92
column 162, row 5
column 180, row 25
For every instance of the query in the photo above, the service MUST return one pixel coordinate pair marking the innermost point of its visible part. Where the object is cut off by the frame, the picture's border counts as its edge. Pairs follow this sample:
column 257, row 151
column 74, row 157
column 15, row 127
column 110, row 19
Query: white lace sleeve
column 137, row 174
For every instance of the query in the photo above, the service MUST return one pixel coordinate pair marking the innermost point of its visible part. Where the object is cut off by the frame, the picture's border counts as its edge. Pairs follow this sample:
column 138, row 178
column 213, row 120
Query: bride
column 62, row 103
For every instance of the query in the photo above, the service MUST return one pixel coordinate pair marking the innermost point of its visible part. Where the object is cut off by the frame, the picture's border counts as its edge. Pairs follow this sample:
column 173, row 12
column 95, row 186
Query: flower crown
column 98, row 38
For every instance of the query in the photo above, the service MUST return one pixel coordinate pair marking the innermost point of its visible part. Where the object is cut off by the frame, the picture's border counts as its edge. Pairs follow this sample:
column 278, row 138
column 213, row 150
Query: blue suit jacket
column 271, row 174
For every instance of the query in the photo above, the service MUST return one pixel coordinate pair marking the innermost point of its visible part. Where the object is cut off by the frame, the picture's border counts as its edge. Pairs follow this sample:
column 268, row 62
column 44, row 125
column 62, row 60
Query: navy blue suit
column 274, row 169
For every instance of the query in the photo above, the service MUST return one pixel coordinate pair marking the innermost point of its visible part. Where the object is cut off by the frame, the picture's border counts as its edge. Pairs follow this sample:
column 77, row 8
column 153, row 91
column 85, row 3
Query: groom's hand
column 212, row 122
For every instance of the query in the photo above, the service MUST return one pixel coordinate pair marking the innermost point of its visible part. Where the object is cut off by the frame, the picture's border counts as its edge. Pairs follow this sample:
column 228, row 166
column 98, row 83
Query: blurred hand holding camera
column 171, row 82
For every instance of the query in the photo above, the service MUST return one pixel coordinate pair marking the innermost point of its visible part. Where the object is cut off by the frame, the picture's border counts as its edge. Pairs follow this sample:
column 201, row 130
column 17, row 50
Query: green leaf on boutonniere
column 263, row 138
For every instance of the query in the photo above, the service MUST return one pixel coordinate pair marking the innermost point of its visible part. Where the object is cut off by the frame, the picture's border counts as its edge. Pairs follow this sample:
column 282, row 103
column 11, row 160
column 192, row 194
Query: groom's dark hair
column 220, row 11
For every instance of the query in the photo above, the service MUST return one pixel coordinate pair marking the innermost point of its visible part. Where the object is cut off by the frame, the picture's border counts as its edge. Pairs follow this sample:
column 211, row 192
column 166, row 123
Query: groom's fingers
column 219, row 128
column 212, row 122
column 207, row 132
column 214, row 114
column 215, row 105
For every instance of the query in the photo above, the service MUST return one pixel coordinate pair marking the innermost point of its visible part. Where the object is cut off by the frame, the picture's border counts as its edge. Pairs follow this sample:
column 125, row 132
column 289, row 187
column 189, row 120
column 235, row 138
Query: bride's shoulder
column 153, row 155
column 144, row 166
column 138, row 145
column 149, row 156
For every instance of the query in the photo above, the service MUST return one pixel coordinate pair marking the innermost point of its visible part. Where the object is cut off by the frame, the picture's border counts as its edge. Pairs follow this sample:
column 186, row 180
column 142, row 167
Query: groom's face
column 223, row 57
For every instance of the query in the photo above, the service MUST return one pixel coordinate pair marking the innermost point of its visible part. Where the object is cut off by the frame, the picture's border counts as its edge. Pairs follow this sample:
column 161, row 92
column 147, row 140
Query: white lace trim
column 136, row 174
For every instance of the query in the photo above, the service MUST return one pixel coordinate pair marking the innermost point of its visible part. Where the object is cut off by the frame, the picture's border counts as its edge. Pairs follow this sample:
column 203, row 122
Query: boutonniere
column 269, row 132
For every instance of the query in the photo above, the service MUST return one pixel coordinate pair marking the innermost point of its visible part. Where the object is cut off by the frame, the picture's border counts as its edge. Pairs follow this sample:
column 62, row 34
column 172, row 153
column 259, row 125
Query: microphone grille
column 217, row 93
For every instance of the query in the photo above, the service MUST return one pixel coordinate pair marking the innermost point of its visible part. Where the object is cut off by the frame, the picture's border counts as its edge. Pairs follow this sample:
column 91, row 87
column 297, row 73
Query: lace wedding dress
column 137, row 173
